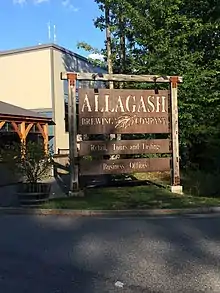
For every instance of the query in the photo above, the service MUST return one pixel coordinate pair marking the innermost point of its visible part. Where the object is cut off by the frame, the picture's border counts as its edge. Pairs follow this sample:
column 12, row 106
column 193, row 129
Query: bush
column 30, row 160
column 200, row 183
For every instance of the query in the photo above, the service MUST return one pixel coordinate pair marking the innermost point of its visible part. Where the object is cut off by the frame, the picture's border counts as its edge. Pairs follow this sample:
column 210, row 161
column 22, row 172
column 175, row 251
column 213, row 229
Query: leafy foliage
column 30, row 160
column 178, row 37
column 90, row 49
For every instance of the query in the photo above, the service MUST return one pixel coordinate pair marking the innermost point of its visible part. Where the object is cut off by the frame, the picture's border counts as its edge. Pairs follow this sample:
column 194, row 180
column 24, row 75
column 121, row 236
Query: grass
column 138, row 197
column 201, row 190
column 199, row 183
column 162, row 178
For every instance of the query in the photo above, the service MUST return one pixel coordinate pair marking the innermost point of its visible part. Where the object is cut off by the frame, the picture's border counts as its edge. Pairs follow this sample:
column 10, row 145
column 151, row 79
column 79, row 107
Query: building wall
column 31, row 80
column 26, row 79
column 65, row 62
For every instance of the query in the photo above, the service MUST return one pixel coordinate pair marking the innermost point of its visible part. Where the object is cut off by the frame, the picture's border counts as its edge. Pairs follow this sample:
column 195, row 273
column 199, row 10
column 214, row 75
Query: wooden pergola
column 22, row 121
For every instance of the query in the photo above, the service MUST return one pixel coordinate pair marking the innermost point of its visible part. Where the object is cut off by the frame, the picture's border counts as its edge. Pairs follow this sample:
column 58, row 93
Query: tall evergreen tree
column 174, row 37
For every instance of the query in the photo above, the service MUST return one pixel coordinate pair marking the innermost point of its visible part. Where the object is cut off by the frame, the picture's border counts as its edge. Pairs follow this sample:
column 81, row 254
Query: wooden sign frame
column 73, row 77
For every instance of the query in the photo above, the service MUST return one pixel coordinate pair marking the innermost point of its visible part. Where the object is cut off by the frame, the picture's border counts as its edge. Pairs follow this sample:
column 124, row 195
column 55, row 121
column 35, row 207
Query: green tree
column 178, row 37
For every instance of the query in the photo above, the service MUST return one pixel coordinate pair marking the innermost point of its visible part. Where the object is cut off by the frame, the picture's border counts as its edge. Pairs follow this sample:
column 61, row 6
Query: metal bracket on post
column 74, row 178
column 175, row 178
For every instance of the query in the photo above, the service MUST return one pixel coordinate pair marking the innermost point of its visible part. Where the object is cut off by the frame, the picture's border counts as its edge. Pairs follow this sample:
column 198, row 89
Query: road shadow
column 62, row 254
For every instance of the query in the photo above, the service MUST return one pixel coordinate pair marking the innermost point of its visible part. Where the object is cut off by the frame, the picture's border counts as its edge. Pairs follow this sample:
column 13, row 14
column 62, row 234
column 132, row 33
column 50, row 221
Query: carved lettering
column 141, row 104
column 135, row 147
column 98, row 148
column 96, row 103
column 138, row 165
column 125, row 147
column 86, row 104
column 151, row 107
column 135, row 121
column 119, row 147
column 130, row 108
column 119, row 107
column 113, row 166
column 125, row 166
column 122, row 111
column 163, row 104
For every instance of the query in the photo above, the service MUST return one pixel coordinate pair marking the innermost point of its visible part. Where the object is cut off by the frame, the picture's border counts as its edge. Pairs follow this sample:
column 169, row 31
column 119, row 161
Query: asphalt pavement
column 58, row 254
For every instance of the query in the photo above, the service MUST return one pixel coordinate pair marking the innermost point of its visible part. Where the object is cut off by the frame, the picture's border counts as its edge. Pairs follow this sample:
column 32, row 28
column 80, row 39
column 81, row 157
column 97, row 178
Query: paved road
column 50, row 254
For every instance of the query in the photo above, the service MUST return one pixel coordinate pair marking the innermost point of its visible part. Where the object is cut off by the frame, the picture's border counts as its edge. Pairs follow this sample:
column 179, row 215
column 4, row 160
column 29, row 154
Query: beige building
column 30, row 78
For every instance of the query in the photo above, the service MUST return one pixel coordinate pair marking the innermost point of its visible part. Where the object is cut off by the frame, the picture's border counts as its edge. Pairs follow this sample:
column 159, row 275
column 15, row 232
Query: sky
column 25, row 23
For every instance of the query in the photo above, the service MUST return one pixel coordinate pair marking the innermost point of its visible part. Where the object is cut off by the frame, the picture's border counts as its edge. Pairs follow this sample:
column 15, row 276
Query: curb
column 109, row 213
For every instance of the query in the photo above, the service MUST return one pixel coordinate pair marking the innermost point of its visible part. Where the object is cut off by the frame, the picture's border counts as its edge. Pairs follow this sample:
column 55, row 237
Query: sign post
column 74, row 182
column 124, row 111
column 175, row 179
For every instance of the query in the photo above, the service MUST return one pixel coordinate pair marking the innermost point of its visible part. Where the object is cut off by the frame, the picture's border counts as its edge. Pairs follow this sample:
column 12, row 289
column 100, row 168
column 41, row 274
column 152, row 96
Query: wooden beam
column 2, row 123
column 19, row 119
column 44, row 132
column 15, row 126
column 27, row 130
column 120, row 77
column 23, row 139
column 174, row 133
column 23, row 134
column 41, row 130
column 46, row 138
column 74, row 178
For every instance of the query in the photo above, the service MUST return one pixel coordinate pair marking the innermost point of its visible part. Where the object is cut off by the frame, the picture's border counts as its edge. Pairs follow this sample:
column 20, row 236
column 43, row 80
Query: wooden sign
column 97, row 167
column 123, row 111
column 151, row 146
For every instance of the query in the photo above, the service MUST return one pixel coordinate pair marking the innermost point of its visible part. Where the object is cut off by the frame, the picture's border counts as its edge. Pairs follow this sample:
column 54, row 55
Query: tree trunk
column 109, row 56
column 108, row 44
column 122, row 52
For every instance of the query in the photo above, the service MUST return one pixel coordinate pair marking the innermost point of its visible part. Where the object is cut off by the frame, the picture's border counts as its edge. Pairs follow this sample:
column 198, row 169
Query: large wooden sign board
column 97, row 167
column 129, row 111
column 112, row 111
column 122, row 147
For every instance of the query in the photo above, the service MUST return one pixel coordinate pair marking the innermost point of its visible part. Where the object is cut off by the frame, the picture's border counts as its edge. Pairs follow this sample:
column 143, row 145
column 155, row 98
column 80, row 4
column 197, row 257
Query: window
column 49, row 114
column 79, row 84
column 66, row 118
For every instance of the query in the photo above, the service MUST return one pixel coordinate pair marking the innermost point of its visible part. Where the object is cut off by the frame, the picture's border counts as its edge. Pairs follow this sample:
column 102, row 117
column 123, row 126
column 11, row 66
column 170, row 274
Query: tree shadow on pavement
column 61, row 254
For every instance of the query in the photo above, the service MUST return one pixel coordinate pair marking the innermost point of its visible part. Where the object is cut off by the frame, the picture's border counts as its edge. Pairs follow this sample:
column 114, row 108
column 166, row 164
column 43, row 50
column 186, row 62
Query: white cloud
column 40, row 1
column 20, row 2
column 68, row 5
column 96, row 57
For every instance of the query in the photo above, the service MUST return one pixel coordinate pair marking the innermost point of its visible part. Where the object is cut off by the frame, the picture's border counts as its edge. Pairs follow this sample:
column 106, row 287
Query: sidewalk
column 109, row 213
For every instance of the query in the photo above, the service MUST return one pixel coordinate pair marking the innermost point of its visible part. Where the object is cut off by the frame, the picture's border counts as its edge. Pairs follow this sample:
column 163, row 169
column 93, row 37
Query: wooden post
column 46, row 138
column 23, row 133
column 2, row 123
column 23, row 138
column 74, row 182
column 175, row 178
column 44, row 132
